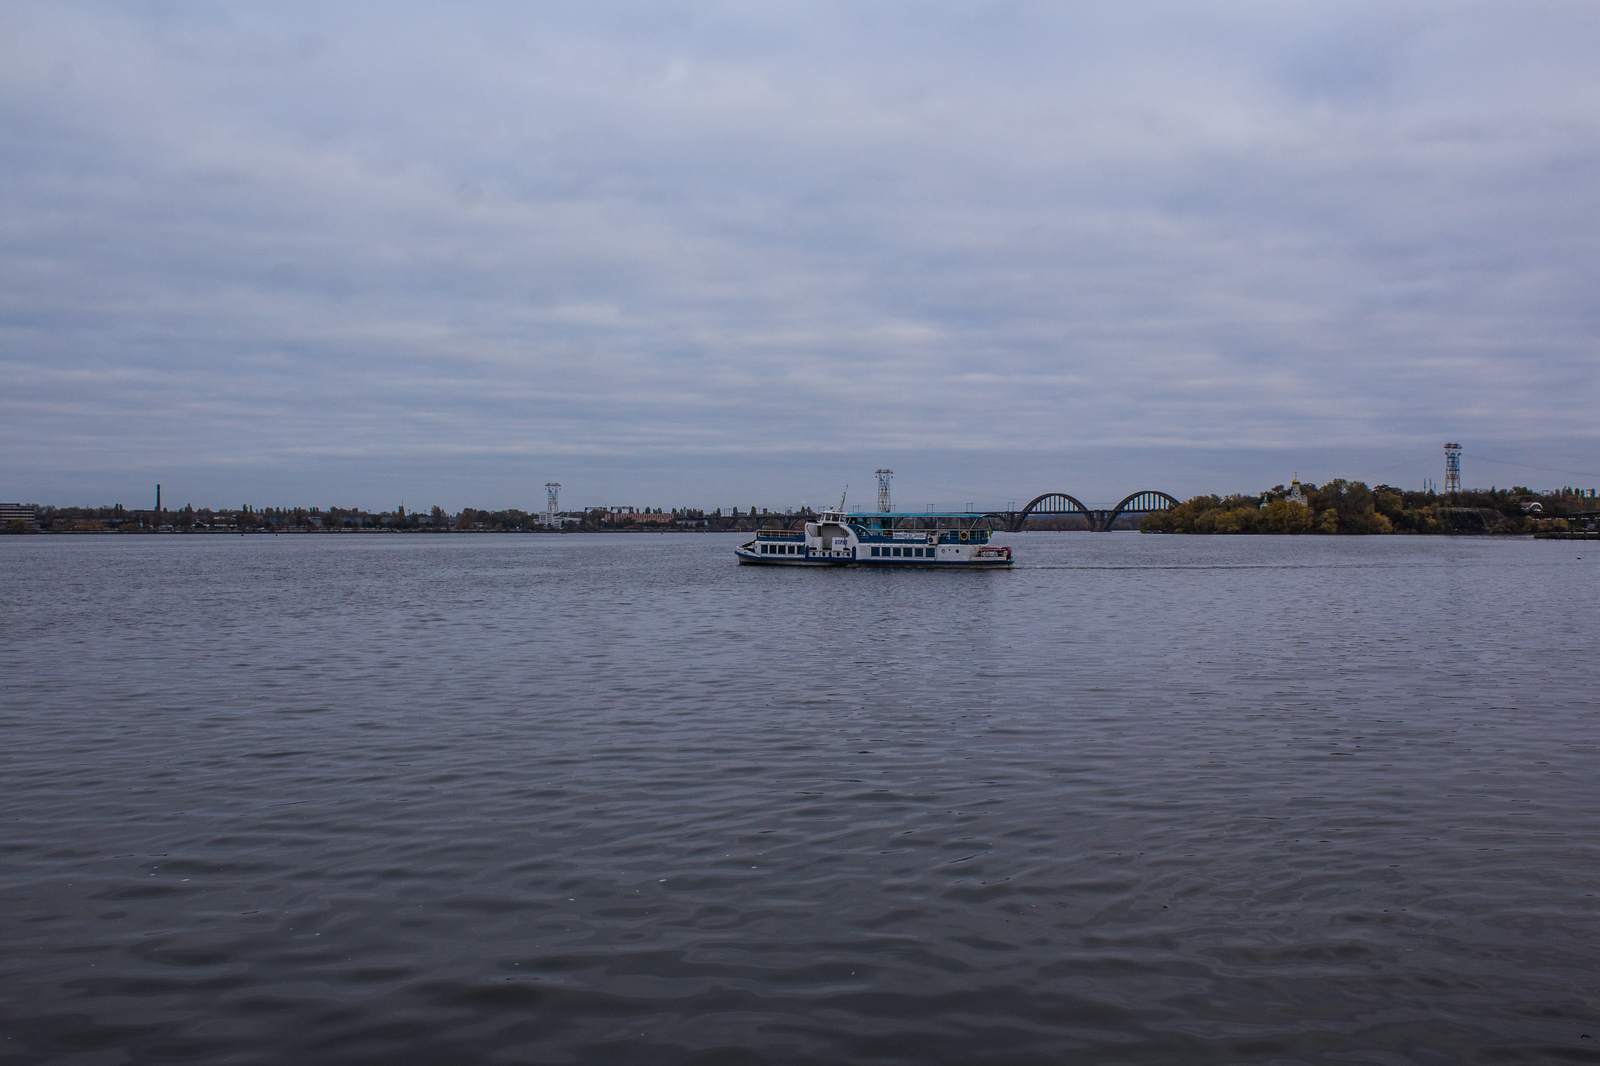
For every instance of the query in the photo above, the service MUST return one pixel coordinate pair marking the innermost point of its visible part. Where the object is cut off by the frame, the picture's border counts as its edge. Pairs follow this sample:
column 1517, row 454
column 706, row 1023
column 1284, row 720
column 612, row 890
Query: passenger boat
column 878, row 538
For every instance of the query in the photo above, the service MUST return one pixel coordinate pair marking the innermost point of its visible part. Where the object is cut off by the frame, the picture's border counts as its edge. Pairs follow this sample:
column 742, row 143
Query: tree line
column 1342, row 506
column 251, row 519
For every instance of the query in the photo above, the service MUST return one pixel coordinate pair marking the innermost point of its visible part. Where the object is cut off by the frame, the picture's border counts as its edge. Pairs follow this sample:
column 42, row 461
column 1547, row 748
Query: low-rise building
column 19, row 512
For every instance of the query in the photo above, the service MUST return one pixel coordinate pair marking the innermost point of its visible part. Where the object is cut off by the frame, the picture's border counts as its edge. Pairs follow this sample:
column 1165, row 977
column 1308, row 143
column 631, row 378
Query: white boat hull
column 942, row 557
column 883, row 539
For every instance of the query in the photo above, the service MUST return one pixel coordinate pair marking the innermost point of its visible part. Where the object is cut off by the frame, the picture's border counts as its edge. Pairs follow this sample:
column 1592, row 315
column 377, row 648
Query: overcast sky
column 694, row 253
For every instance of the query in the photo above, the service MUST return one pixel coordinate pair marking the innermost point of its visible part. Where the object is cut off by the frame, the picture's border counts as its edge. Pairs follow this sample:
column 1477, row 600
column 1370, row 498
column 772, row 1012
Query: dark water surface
column 617, row 800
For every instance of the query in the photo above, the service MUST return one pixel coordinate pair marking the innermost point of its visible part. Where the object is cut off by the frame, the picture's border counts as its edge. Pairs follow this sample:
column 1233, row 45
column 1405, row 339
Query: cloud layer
column 698, row 254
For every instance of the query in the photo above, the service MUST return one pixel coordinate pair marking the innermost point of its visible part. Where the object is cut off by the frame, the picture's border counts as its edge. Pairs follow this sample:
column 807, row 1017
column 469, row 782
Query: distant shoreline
column 1352, row 508
column 346, row 532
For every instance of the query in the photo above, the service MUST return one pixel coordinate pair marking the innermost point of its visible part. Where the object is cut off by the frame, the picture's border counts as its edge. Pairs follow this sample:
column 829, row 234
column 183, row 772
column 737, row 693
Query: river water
column 614, row 799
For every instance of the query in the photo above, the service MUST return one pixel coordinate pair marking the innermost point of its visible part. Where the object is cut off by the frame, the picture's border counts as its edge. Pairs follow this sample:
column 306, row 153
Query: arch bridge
column 1144, row 501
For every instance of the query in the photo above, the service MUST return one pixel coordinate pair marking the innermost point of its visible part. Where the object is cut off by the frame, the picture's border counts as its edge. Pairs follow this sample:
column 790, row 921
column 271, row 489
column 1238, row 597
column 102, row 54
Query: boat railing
column 917, row 536
column 780, row 534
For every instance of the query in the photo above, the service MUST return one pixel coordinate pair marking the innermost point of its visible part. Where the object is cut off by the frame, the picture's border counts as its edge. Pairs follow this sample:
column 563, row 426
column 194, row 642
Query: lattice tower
column 552, row 501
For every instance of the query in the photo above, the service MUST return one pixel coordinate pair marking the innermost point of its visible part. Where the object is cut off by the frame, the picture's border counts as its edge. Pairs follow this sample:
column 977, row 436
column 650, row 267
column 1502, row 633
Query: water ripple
column 590, row 799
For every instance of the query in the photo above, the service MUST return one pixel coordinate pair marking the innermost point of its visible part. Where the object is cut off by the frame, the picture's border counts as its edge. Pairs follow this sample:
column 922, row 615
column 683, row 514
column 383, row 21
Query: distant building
column 1295, row 494
column 18, row 512
column 633, row 516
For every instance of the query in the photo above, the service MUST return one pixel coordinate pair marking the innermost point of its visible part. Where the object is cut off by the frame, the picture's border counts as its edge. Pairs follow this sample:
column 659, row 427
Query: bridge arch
column 1052, row 503
column 1145, row 501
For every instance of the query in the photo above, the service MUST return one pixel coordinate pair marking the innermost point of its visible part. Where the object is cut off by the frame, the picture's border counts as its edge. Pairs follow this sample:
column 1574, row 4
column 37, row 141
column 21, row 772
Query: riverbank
column 1352, row 507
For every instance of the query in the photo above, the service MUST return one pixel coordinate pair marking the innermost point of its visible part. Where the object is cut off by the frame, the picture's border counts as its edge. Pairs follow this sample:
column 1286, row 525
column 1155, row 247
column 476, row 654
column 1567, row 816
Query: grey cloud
column 627, row 245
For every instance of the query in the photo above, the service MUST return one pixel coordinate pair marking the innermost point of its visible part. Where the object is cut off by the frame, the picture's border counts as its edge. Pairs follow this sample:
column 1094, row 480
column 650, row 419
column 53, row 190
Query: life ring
column 964, row 536
column 933, row 538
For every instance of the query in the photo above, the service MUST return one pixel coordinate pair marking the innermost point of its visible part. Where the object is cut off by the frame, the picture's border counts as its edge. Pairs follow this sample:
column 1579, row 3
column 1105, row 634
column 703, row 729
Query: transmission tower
column 1452, row 467
column 884, row 476
column 552, row 503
